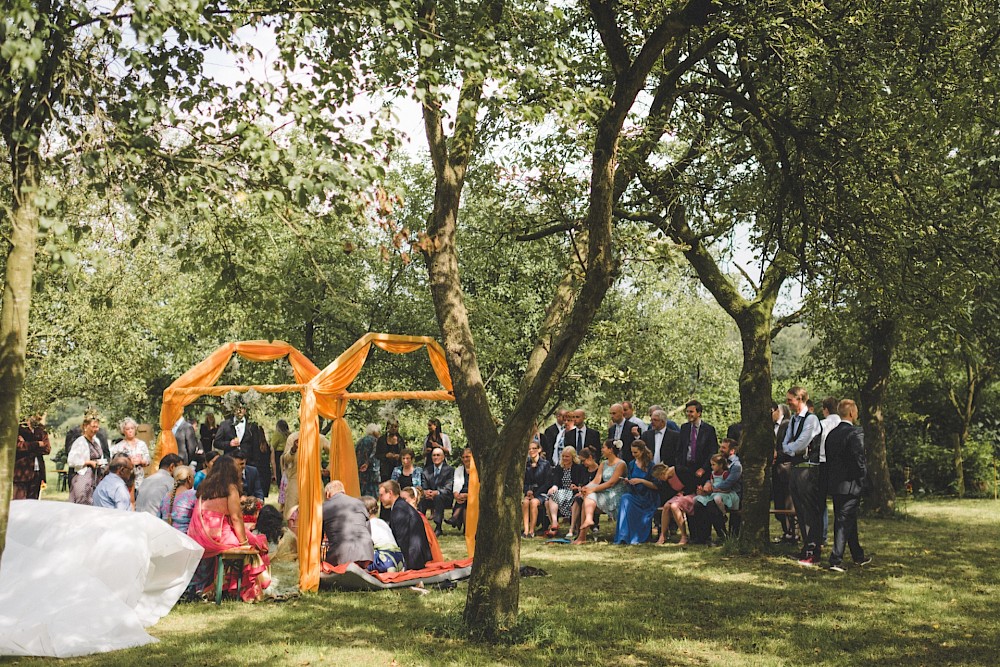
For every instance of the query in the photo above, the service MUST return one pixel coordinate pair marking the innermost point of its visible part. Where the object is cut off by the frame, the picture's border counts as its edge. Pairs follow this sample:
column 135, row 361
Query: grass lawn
column 929, row 598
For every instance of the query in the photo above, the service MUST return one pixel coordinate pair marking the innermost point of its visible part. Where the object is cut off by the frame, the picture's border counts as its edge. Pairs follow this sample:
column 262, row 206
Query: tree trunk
column 757, row 448
column 881, row 498
column 14, row 323
column 957, row 444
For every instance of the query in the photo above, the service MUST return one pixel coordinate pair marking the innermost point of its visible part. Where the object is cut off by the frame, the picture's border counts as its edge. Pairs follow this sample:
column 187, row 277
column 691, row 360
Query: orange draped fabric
column 323, row 393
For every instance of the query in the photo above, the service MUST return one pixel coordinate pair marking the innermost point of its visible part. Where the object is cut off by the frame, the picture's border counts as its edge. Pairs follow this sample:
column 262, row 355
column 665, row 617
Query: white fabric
column 382, row 536
column 77, row 580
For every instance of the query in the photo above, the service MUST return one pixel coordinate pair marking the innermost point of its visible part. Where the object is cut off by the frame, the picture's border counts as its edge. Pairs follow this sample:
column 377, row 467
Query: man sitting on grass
column 407, row 527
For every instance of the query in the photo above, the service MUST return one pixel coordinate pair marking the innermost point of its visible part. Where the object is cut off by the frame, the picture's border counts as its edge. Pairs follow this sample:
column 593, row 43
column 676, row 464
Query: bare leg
column 533, row 515
column 681, row 520
column 574, row 518
column 664, row 524
column 721, row 505
column 524, row 516
column 589, row 505
column 553, row 509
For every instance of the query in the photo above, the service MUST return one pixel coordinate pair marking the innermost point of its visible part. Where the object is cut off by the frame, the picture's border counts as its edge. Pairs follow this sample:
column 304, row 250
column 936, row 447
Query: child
column 723, row 500
column 388, row 556
column 678, row 507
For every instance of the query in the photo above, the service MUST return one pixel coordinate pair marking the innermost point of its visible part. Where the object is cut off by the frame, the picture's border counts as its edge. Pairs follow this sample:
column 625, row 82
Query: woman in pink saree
column 217, row 525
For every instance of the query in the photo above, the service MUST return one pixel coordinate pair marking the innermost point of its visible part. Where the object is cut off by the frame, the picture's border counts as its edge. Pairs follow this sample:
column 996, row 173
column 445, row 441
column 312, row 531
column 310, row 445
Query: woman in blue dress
column 635, row 512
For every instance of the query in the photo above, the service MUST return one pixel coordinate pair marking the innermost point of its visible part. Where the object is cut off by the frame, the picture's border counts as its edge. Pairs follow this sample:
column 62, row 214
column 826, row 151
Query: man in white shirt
column 829, row 422
column 629, row 410
column 802, row 438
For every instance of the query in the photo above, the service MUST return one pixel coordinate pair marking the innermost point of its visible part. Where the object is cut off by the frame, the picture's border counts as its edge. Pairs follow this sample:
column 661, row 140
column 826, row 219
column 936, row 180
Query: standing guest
column 388, row 557
column 290, row 468
column 552, row 434
column 389, row 448
column 249, row 474
column 188, row 443
column 29, row 460
column 781, row 474
column 536, row 481
column 827, row 424
column 588, row 459
column 660, row 440
column 623, row 429
column 638, row 505
column 210, row 457
column 628, row 409
column 345, row 526
column 846, row 473
column 564, row 481
column 86, row 456
column 217, row 525
column 801, row 444
column 113, row 491
column 567, row 428
column 157, row 485
column 438, row 487
column 605, row 494
column 369, row 475
column 407, row 474
column 137, row 450
column 407, row 527
column 176, row 506
column 461, row 488
column 435, row 438
column 207, row 432
column 239, row 432
column 278, row 439
column 578, row 435
column 696, row 444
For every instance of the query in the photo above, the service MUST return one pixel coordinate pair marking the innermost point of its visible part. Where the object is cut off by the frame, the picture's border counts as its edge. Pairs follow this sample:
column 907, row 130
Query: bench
column 236, row 556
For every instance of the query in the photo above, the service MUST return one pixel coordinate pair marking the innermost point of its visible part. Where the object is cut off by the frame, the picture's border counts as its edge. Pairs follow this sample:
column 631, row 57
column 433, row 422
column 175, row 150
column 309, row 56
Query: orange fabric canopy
column 323, row 393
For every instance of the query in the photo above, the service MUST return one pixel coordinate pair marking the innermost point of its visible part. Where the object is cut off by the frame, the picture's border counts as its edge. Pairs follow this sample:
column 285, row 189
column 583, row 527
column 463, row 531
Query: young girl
column 723, row 500
column 388, row 556
column 678, row 507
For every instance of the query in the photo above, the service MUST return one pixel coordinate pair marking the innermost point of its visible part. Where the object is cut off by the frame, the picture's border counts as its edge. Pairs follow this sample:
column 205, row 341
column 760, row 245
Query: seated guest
column 249, row 475
column 217, row 525
column 678, row 507
column 461, row 491
column 407, row 527
column 605, row 494
column 412, row 495
column 439, row 482
column 269, row 524
column 592, row 466
column 536, row 481
column 564, row 482
column 345, row 525
column 722, row 493
column 210, row 457
column 388, row 557
column 177, row 505
column 157, row 485
column 406, row 474
column 288, row 544
column 113, row 490
column 635, row 513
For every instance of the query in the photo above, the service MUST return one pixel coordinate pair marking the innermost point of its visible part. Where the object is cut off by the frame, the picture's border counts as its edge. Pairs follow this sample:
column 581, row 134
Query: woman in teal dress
column 635, row 512
column 605, row 495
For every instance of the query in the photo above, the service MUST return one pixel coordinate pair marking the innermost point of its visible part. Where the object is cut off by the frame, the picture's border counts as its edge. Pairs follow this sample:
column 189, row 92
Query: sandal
column 552, row 532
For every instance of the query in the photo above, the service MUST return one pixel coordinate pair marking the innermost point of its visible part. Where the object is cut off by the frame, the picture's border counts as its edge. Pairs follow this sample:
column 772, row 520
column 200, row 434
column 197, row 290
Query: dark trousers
column 439, row 503
column 701, row 522
column 782, row 496
column 458, row 516
column 845, row 528
column 809, row 496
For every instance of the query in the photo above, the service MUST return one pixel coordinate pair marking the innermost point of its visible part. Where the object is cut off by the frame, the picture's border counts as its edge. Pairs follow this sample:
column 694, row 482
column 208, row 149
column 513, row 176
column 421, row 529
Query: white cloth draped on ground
column 76, row 580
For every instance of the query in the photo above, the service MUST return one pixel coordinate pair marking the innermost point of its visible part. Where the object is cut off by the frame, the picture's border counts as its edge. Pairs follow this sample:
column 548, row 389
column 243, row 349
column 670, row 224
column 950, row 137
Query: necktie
column 694, row 443
column 579, row 438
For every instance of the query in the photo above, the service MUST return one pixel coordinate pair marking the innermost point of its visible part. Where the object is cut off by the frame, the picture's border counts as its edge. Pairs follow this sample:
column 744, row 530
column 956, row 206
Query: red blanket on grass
column 407, row 575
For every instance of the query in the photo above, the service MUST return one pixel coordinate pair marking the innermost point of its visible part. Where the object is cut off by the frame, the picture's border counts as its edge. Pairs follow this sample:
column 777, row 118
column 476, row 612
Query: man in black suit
column 660, row 440
column 846, row 471
column 407, row 527
column 622, row 429
column 697, row 442
column 238, row 432
column 552, row 433
column 439, row 481
column 249, row 475
column 577, row 434
column 188, row 444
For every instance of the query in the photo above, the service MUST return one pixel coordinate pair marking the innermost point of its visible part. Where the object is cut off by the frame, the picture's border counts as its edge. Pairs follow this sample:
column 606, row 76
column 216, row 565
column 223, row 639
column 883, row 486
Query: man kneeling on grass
column 407, row 527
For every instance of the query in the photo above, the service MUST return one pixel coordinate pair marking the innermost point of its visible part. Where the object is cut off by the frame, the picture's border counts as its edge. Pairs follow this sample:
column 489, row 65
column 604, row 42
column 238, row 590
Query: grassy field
column 929, row 598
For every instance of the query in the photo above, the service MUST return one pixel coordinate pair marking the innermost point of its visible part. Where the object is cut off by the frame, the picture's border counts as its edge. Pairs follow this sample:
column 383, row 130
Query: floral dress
column 139, row 453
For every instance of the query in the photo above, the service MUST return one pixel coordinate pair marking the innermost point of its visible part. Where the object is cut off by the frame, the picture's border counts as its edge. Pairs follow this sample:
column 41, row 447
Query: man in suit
column 623, row 429
column 345, row 525
column 660, row 440
column 705, row 517
column 629, row 411
column 407, row 527
column 188, row 444
column 846, row 471
column 578, row 435
column 801, row 445
column 238, row 432
column 551, row 435
column 697, row 443
column 439, row 480
column 249, row 474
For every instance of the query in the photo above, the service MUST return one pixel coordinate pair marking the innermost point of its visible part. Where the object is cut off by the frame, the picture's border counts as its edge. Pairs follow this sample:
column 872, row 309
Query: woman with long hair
column 638, row 505
column 217, row 525
column 435, row 438
column 605, row 494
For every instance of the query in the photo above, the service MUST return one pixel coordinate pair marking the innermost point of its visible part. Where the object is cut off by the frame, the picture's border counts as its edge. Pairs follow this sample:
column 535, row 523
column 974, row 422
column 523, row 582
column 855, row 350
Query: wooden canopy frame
column 323, row 393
